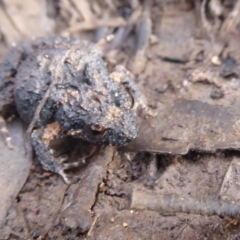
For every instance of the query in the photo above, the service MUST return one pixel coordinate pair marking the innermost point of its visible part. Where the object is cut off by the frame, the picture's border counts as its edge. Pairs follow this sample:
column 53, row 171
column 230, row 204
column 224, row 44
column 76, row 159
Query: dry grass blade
column 104, row 22
column 84, row 8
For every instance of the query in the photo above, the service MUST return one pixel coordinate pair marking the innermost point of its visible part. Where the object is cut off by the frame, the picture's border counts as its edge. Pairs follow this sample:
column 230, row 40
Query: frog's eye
column 119, row 101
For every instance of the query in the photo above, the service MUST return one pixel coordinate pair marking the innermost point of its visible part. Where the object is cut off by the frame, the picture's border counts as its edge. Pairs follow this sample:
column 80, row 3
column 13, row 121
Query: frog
column 62, row 87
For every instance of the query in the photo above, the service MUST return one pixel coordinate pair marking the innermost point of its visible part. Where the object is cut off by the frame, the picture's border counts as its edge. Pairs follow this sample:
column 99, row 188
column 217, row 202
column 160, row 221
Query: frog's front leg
column 125, row 78
column 41, row 139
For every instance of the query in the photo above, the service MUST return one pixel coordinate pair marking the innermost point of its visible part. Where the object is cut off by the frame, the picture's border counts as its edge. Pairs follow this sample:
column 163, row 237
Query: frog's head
column 111, row 122
column 95, row 106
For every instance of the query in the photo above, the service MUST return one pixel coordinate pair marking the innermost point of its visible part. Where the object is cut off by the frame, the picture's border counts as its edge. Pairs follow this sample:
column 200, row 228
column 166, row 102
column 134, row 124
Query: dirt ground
column 188, row 154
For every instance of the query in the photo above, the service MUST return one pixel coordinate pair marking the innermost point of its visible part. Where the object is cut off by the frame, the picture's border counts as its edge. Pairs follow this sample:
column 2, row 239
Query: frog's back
column 32, row 81
column 40, row 68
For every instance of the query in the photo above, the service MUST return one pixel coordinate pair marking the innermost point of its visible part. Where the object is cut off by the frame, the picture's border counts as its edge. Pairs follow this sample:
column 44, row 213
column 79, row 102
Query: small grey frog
column 82, row 99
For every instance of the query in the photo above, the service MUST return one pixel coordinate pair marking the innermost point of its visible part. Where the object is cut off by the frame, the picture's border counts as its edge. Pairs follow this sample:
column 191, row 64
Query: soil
column 174, row 53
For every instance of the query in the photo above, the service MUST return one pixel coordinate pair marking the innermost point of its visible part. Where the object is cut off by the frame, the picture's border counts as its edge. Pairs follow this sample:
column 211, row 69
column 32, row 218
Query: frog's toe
column 4, row 132
column 66, row 166
column 64, row 176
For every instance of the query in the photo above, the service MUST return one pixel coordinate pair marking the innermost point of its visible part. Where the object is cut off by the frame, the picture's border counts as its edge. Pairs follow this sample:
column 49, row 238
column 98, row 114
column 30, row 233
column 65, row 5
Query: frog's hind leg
column 41, row 139
column 8, row 71
column 5, row 133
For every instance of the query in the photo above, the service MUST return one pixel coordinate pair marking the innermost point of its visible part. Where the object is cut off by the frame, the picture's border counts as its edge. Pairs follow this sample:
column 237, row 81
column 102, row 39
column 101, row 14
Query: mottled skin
column 85, row 100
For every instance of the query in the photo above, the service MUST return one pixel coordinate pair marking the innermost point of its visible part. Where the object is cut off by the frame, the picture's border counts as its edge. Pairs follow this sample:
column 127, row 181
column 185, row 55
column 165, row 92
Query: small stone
column 125, row 224
column 216, row 60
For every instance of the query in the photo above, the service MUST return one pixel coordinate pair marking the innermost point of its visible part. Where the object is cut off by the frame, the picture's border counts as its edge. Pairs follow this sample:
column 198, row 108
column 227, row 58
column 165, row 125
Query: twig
column 107, row 22
column 143, row 199
column 89, row 234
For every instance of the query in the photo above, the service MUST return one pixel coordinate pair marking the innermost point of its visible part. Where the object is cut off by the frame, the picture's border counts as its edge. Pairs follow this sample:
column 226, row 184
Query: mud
column 175, row 53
